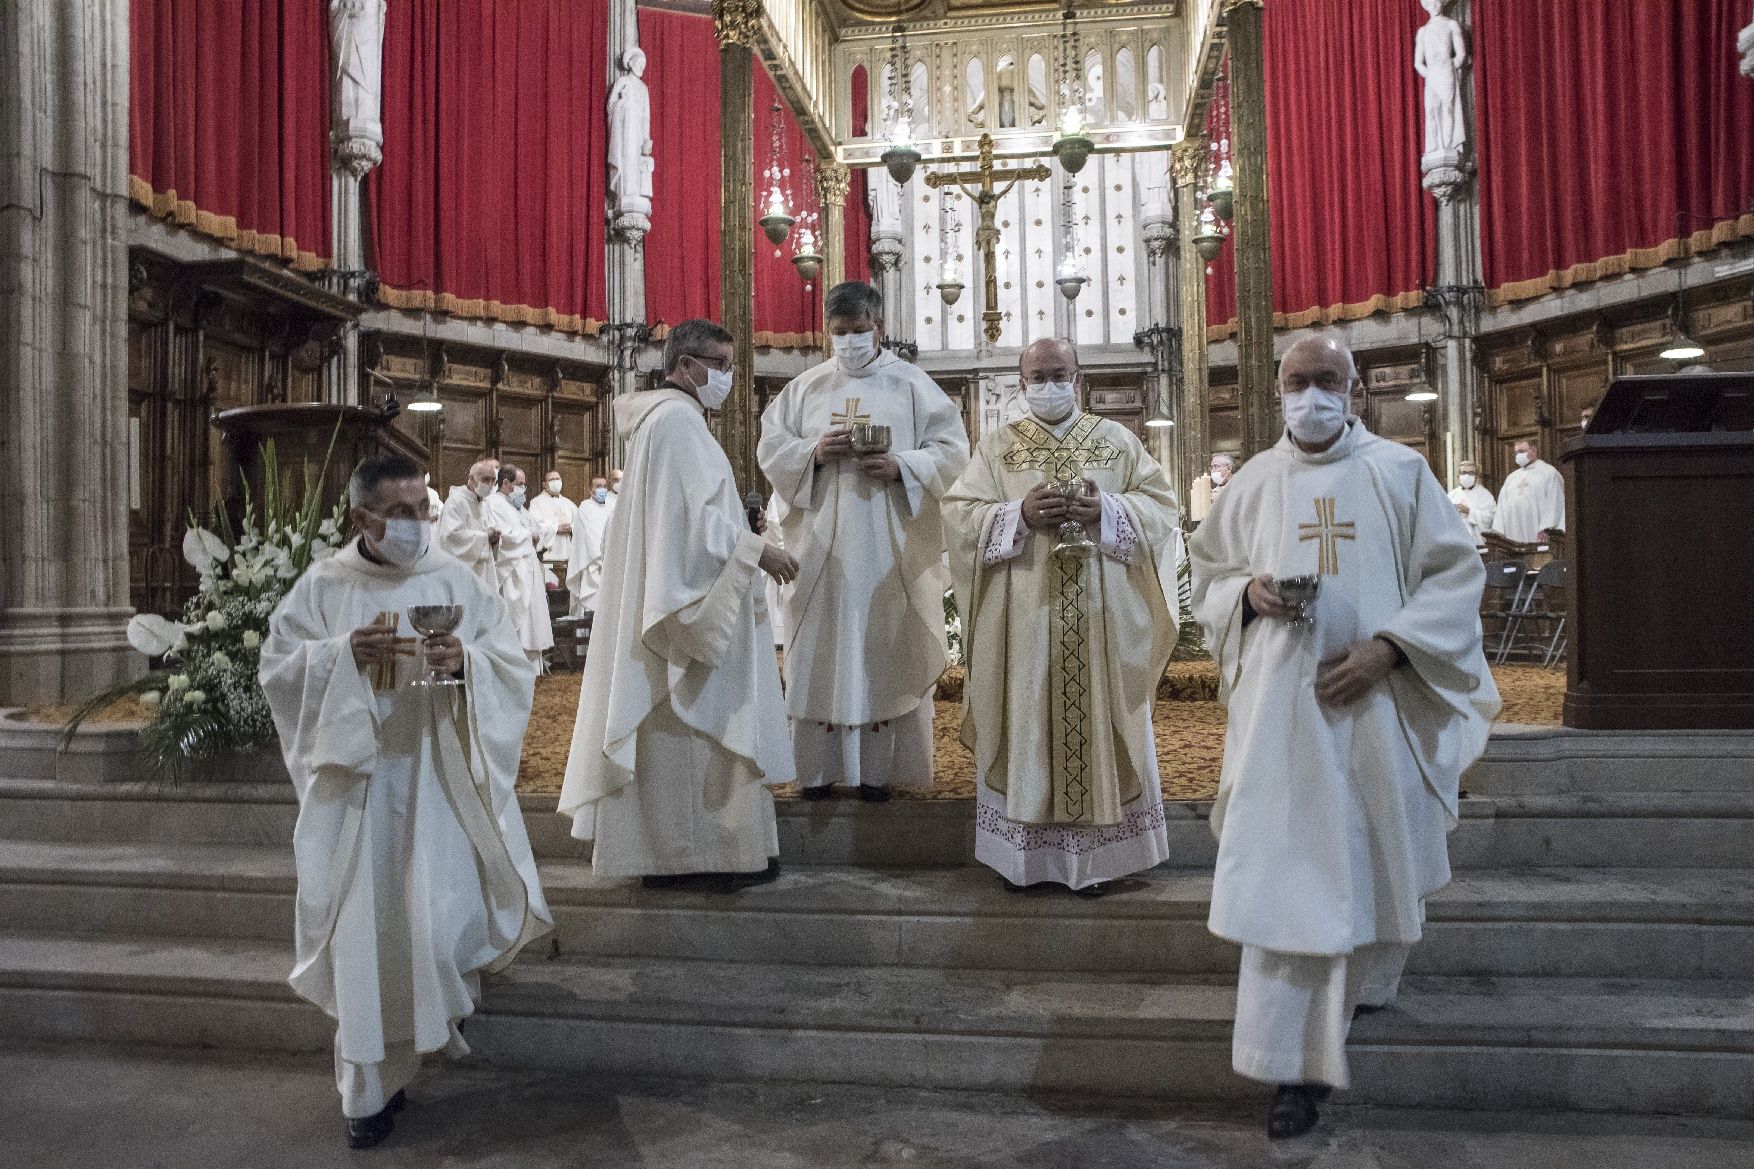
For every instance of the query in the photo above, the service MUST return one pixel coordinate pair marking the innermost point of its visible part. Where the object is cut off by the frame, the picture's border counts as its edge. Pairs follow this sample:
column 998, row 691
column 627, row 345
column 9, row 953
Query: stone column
column 1192, row 418
column 833, row 181
column 1157, row 230
column 64, row 349
column 625, row 268
column 737, row 23
column 356, row 145
column 1449, row 176
column 1254, row 261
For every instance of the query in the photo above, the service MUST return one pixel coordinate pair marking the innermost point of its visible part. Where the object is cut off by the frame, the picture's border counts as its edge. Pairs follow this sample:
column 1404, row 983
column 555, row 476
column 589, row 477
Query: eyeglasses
column 718, row 363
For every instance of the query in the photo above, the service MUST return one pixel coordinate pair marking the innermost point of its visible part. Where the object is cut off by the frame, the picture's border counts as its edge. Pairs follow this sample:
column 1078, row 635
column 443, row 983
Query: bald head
column 1048, row 360
column 483, row 475
column 1324, row 362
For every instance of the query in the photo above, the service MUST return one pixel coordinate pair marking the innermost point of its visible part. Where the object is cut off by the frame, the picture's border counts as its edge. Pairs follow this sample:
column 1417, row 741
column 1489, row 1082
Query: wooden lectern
column 1661, row 516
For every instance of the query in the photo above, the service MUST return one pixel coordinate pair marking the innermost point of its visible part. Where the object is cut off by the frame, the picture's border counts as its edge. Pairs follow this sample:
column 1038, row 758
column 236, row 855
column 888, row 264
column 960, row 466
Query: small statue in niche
column 630, row 138
column 356, row 46
column 1440, row 51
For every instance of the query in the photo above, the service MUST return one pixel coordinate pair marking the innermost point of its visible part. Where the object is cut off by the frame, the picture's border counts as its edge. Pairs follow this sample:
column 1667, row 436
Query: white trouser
column 1293, row 1011
column 367, row 1087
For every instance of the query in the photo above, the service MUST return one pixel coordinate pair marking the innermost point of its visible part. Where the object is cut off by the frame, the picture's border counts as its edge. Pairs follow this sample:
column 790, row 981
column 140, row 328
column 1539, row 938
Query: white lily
column 151, row 634
column 202, row 548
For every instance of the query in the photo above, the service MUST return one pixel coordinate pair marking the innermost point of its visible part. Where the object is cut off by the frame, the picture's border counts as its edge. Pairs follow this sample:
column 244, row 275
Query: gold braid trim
column 1723, row 232
column 419, row 300
column 764, row 340
column 1399, row 302
column 167, row 206
column 1069, row 693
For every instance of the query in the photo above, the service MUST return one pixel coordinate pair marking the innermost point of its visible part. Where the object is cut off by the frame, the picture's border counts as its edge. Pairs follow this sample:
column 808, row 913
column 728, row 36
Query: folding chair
column 1542, row 607
column 1502, row 595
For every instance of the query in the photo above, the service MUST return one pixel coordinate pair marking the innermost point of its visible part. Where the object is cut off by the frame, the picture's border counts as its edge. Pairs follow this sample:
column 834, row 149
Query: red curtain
column 1352, row 232
column 1614, row 135
column 786, row 309
column 682, row 248
column 491, row 200
column 858, row 217
column 228, row 121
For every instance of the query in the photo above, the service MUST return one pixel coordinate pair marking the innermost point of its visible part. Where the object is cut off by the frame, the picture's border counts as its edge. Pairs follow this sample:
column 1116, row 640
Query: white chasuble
column 551, row 513
column 1064, row 653
column 1531, row 501
column 414, row 869
column 520, row 572
column 463, row 533
column 680, row 718
column 865, row 619
column 1481, row 509
column 1331, row 821
column 584, row 571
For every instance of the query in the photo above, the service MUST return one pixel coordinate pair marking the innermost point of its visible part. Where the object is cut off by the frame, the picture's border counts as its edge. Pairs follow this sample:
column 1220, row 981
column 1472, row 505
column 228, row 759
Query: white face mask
column 1468, row 480
column 854, row 350
column 554, row 487
column 1221, row 474
column 518, row 496
column 404, row 541
column 717, row 388
column 483, row 490
column 1522, row 458
column 1051, row 401
column 1314, row 414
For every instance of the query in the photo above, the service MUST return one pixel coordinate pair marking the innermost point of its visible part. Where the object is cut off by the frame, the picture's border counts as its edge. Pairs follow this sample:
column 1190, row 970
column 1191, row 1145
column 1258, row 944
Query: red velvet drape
column 858, row 215
column 491, row 198
column 1613, row 135
column 682, row 248
column 786, row 309
column 1352, row 232
column 229, row 121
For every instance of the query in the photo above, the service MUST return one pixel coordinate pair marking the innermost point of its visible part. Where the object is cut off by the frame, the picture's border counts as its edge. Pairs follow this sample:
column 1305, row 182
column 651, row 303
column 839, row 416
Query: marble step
column 1648, row 923
column 1624, row 1045
column 1533, row 760
column 1654, row 829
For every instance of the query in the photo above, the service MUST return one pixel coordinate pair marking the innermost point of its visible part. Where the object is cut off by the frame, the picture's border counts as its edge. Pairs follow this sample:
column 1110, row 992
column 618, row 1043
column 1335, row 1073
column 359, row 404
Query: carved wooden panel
column 520, row 426
column 465, row 420
column 1575, row 388
column 1519, row 406
column 578, row 390
column 1512, row 356
column 1710, row 319
column 1400, row 374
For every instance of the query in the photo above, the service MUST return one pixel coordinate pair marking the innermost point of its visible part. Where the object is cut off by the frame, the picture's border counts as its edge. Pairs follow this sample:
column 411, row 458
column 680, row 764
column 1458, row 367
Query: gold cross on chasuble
column 1329, row 532
column 1037, row 448
column 850, row 416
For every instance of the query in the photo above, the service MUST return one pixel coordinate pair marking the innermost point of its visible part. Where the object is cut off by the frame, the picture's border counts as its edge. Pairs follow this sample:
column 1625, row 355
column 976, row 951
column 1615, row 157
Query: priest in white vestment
column 519, row 566
column 1474, row 503
column 865, row 622
column 584, row 572
column 1531, row 504
column 556, row 518
column 681, row 726
column 464, row 532
column 434, row 504
column 1347, row 737
column 414, row 871
column 1064, row 651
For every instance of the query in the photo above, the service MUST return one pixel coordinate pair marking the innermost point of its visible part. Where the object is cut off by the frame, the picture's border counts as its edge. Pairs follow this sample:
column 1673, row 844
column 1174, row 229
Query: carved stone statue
column 356, row 44
column 630, row 139
column 884, row 195
column 1440, row 51
column 1156, row 102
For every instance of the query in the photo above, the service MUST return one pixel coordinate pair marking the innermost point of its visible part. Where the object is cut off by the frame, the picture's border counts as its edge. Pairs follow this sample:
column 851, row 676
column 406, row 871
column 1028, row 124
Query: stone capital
column 737, row 22
column 1445, row 174
column 1185, row 161
column 630, row 227
column 356, row 154
column 833, row 181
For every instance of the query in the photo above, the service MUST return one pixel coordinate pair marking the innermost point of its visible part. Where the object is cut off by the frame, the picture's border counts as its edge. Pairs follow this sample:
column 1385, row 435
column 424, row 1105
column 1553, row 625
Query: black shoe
column 1013, row 887
column 371, row 1130
column 1293, row 1111
column 1100, row 889
column 731, row 882
column 873, row 794
column 816, row 793
column 400, row 1100
column 1363, row 1009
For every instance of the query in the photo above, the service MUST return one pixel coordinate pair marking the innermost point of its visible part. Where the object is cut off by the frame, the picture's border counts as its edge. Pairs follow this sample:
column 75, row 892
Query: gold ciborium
column 1074, row 540
column 870, row 438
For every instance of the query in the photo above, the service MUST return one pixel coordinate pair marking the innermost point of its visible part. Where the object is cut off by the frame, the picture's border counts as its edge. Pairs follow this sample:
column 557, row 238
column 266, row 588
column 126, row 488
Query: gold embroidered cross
column 850, row 416
column 1329, row 532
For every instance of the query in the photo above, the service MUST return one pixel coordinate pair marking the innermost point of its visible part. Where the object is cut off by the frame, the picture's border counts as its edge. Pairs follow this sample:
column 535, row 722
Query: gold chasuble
column 1063, row 651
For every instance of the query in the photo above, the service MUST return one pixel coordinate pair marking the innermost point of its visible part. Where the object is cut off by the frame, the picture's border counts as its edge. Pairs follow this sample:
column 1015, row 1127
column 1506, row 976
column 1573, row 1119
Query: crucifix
column 986, row 197
column 1327, row 531
column 850, row 416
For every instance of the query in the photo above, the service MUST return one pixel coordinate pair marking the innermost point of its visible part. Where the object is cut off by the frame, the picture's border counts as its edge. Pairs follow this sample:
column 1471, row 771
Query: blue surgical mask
column 518, row 496
column 600, row 494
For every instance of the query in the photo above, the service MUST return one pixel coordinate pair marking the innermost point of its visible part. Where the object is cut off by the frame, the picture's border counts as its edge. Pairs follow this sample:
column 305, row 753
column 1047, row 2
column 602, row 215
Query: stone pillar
column 625, row 269
column 356, row 145
column 1157, row 230
column 1449, row 176
column 737, row 23
column 64, row 349
column 1254, row 261
column 833, row 181
column 1192, row 418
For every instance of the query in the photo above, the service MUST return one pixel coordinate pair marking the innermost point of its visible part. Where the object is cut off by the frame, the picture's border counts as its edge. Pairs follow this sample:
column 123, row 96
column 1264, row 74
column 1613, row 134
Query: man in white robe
column 414, row 871
column 865, row 622
column 1531, row 504
column 518, row 564
column 584, row 572
column 556, row 518
column 1347, row 738
column 1070, row 793
column 680, row 724
column 464, row 532
column 1474, row 503
column 433, row 502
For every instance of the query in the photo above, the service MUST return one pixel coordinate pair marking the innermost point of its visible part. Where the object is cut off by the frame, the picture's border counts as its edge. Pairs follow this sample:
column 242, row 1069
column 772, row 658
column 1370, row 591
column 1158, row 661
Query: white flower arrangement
column 205, row 698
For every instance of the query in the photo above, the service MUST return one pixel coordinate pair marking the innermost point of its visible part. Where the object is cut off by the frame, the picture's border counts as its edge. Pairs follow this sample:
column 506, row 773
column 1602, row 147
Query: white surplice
column 1332, row 822
column 865, row 618
column 414, row 870
column 551, row 512
column 1069, row 793
column 1481, row 509
column 520, row 573
column 680, row 720
column 1531, row 501
column 584, row 572
column 463, row 533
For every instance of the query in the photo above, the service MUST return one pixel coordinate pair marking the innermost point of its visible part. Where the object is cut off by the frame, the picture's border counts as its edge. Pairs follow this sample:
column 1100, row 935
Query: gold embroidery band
column 1069, row 692
column 1037, row 449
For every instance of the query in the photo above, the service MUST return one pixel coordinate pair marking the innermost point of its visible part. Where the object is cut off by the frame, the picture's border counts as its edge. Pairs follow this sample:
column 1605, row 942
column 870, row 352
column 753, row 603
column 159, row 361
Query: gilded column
column 736, row 23
column 1191, row 419
column 1254, row 262
column 832, row 183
